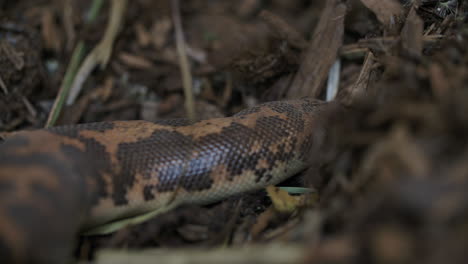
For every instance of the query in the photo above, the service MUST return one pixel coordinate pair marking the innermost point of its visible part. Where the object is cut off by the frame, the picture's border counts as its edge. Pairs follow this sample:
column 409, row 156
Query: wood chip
column 134, row 61
column 412, row 35
column 321, row 53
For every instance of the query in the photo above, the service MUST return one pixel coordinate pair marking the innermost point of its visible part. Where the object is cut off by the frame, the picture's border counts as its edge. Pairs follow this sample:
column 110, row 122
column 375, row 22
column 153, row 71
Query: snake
column 59, row 182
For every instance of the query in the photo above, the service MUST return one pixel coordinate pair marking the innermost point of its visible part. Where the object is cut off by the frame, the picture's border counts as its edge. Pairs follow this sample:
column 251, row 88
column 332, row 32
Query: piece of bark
column 321, row 52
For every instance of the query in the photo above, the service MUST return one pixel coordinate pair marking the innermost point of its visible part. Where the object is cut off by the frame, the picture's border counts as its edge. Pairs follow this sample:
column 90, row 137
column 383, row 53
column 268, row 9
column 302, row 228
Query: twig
column 78, row 54
column 183, row 61
column 3, row 86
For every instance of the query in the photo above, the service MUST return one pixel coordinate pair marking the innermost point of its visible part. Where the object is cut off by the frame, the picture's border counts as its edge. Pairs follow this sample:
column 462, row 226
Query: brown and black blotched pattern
column 55, row 182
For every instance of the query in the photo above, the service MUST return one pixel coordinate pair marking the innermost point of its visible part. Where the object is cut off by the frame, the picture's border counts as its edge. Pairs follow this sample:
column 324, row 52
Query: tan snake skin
column 57, row 182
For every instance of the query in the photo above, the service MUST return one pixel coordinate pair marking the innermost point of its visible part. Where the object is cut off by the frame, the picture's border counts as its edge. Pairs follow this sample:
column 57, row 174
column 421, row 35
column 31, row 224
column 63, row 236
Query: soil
column 392, row 173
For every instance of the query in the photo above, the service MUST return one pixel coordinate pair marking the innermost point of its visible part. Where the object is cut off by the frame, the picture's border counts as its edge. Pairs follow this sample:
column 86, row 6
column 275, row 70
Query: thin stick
column 183, row 61
column 3, row 86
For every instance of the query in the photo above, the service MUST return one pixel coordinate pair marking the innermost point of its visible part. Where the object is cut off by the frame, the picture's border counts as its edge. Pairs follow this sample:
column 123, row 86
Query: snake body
column 57, row 182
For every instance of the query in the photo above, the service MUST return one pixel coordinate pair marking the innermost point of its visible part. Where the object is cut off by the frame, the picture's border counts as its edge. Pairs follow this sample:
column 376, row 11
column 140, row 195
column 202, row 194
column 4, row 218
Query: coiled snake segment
column 56, row 182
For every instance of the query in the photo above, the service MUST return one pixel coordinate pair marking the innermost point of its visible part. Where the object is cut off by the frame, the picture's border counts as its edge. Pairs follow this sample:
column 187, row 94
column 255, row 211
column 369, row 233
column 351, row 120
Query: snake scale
column 58, row 182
